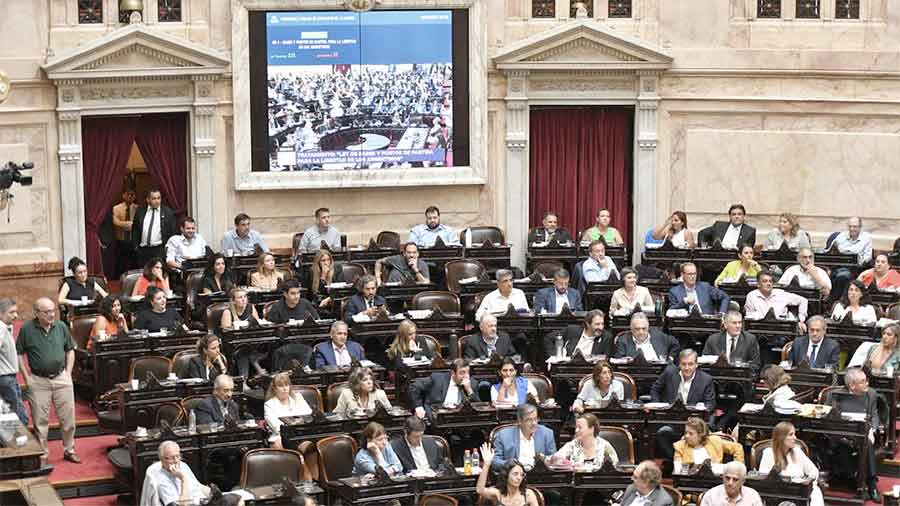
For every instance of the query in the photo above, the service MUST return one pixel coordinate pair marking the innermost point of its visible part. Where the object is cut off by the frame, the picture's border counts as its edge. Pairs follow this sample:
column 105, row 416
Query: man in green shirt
column 46, row 356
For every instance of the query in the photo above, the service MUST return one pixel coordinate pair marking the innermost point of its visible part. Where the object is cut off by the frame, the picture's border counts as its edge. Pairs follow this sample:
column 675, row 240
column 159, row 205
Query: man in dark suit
column 339, row 351
column 692, row 293
column 733, row 342
column 645, row 489
column 488, row 341
column 819, row 350
column 551, row 299
column 857, row 397
column 366, row 300
column 216, row 406
column 590, row 335
column 737, row 346
column 685, row 383
column 549, row 231
column 416, row 451
column 731, row 234
column 653, row 343
column 152, row 227
column 442, row 389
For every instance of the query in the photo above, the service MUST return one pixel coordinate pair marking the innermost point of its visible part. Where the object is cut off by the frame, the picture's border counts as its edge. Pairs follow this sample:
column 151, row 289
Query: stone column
column 71, row 177
column 204, row 150
column 645, row 160
column 517, row 191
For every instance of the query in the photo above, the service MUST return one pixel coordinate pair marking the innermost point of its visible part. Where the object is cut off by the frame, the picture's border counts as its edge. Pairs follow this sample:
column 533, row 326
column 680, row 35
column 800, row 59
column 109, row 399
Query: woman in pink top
column 882, row 274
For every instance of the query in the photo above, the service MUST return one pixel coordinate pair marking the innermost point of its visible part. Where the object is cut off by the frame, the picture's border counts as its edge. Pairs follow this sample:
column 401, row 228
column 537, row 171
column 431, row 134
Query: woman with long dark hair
column 509, row 489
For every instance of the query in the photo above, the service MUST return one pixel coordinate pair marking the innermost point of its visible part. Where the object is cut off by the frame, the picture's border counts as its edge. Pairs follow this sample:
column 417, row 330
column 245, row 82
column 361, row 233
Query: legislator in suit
column 507, row 445
column 151, row 228
column 658, row 497
column 213, row 409
column 664, row 346
column 821, row 353
column 709, row 298
column 435, row 391
column 541, row 234
column 476, row 346
column 577, row 337
column 329, row 353
column 359, row 304
column 745, row 348
column 719, row 231
column 433, row 453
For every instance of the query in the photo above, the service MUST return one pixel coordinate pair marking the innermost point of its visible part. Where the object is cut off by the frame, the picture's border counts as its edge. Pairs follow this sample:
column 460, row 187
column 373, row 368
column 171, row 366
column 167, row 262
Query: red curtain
column 107, row 143
column 581, row 160
column 162, row 139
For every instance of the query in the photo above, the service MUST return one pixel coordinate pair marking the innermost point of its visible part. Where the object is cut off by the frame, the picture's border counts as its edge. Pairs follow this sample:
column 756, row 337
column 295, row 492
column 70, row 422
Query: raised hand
column 487, row 454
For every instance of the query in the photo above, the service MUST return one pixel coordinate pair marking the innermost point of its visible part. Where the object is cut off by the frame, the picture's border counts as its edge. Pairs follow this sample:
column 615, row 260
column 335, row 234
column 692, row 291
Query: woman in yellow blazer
column 698, row 445
column 744, row 265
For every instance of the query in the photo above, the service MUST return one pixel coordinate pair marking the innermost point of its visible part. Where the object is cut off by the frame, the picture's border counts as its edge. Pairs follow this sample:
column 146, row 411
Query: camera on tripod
column 12, row 173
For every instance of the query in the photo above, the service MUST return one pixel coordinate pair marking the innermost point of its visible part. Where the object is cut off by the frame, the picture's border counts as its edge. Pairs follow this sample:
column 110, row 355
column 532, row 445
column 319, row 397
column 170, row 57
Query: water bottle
column 468, row 237
column 658, row 307
column 192, row 422
column 476, row 461
column 467, row 463
column 560, row 349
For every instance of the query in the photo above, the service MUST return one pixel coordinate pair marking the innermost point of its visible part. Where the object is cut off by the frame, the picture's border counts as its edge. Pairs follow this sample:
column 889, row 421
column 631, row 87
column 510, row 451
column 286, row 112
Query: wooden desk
column 604, row 481
column 112, row 357
column 17, row 462
column 359, row 490
column 492, row 256
column 566, row 254
column 599, row 295
column 30, row 492
column 830, row 427
column 693, row 330
column 665, row 256
column 275, row 495
column 297, row 429
column 850, row 336
column 139, row 407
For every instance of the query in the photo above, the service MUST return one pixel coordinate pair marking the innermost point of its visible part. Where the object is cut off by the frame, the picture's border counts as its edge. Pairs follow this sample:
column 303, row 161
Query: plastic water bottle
column 192, row 422
column 467, row 463
column 468, row 237
column 560, row 349
column 476, row 460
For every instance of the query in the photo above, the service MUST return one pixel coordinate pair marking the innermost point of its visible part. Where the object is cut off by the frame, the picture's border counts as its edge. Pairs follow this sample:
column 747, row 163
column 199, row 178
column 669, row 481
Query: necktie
column 812, row 355
column 150, row 228
column 731, row 349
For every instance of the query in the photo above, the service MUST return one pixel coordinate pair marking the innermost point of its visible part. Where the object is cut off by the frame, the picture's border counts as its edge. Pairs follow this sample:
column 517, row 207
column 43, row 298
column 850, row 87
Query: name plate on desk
column 467, row 414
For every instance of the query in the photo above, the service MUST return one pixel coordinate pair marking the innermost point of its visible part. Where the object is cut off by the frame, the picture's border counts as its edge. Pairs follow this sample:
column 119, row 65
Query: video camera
column 12, row 173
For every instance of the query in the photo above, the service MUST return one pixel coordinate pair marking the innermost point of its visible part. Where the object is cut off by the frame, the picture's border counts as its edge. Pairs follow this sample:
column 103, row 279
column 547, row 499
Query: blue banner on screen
column 369, row 90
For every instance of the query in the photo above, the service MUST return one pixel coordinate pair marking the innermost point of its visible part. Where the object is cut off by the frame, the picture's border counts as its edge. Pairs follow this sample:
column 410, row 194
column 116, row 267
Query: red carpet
column 94, row 464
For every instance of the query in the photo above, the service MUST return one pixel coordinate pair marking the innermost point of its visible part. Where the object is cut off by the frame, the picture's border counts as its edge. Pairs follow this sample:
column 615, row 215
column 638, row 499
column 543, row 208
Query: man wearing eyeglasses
column 46, row 357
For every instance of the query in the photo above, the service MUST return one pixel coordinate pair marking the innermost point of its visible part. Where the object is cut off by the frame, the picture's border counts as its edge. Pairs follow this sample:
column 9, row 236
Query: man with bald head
column 46, row 357
column 855, row 242
column 172, row 481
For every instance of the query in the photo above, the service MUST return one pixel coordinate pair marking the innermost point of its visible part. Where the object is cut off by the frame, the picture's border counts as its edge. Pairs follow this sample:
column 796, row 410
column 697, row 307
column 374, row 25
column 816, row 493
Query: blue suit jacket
column 545, row 298
column 506, row 444
column 826, row 355
column 357, row 304
column 324, row 353
column 707, row 296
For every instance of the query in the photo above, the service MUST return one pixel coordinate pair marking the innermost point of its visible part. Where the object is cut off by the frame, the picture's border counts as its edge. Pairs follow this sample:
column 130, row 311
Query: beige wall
column 791, row 115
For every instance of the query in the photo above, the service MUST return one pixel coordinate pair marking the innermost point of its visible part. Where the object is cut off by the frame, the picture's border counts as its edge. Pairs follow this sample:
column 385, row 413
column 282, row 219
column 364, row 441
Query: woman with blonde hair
column 407, row 344
column 886, row 354
column 267, row 275
column 282, row 401
column 785, row 456
column 322, row 273
column 787, row 231
column 362, row 393
column 239, row 309
column 698, row 445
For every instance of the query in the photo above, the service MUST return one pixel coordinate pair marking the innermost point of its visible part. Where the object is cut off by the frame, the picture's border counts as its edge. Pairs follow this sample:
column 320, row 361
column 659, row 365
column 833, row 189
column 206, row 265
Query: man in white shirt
column 599, row 267
column 807, row 273
column 188, row 244
column 415, row 451
column 731, row 234
column 9, row 360
column 853, row 241
column 732, row 491
column 173, row 481
column 322, row 231
column 498, row 301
